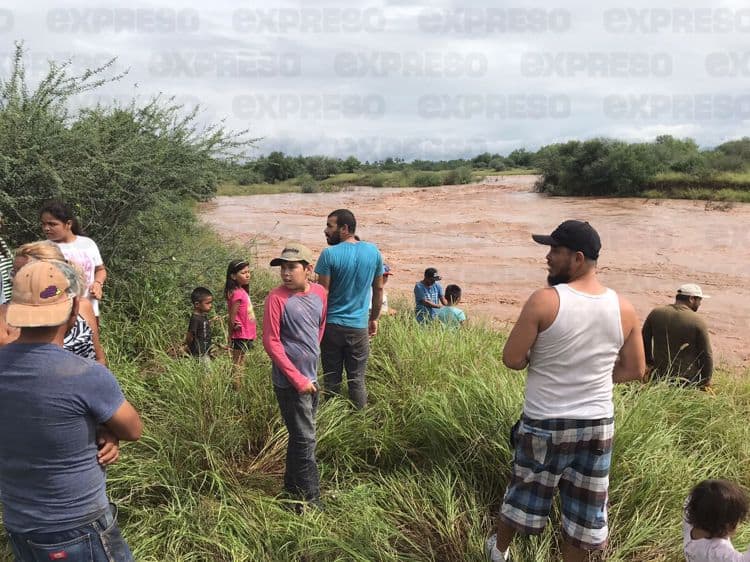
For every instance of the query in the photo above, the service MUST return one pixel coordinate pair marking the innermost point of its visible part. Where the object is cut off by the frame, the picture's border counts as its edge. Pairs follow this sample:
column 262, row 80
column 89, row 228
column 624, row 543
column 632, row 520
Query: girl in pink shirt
column 242, row 326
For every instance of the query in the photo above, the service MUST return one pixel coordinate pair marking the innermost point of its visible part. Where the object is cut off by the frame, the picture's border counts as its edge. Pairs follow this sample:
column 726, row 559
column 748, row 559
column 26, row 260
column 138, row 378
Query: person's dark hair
column 230, row 285
column 200, row 293
column 717, row 507
column 62, row 212
column 345, row 217
column 452, row 294
column 682, row 298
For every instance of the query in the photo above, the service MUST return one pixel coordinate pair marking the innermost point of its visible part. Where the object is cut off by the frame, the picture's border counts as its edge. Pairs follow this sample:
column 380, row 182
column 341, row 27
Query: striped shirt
column 6, row 264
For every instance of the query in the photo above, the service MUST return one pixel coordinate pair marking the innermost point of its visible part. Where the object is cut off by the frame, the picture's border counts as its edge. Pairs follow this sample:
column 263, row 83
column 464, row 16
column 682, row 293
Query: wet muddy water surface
column 479, row 236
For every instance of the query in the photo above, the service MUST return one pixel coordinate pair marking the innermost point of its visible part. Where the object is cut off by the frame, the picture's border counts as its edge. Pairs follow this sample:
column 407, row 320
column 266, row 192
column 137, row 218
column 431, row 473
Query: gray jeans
column 301, row 479
column 345, row 348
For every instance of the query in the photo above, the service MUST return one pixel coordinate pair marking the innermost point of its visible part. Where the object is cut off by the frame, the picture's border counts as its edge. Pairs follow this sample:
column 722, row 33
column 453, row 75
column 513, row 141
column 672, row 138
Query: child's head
column 238, row 276
column 453, row 294
column 717, row 507
column 296, row 263
column 202, row 299
column 58, row 221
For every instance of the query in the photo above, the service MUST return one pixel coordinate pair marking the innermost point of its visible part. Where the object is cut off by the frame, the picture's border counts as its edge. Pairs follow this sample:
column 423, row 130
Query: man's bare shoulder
column 543, row 296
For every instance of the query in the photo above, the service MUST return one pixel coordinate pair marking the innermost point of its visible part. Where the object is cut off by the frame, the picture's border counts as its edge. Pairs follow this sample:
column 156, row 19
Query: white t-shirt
column 84, row 252
column 709, row 550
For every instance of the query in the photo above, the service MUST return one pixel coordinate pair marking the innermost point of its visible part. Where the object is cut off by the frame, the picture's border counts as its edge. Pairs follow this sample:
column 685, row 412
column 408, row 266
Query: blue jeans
column 98, row 541
column 301, row 479
column 344, row 347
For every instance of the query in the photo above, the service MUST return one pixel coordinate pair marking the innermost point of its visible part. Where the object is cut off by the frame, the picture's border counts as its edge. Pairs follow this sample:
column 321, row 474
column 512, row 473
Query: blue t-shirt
column 432, row 294
column 352, row 268
column 451, row 316
column 50, row 404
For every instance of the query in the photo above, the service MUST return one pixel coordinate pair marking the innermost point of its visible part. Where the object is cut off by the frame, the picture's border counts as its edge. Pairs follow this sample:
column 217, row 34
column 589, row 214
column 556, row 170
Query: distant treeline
column 612, row 167
column 279, row 167
column 598, row 166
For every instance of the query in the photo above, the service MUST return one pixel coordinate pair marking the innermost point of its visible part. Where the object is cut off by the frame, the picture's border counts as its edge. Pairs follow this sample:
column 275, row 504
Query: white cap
column 691, row 290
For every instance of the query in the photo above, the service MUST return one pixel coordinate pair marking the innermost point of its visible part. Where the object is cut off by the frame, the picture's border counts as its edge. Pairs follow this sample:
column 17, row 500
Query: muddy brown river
column 479, row 236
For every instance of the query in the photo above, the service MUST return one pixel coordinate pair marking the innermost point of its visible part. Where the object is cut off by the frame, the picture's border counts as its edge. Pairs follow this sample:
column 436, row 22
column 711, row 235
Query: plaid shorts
column 572, row 455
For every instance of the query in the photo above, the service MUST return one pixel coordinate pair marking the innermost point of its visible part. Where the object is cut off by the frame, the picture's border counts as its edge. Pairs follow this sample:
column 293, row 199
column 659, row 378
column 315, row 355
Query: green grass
column 416, row 476
column 404, row 178
column 483, row 172
column 730, row 187
column 231, row 187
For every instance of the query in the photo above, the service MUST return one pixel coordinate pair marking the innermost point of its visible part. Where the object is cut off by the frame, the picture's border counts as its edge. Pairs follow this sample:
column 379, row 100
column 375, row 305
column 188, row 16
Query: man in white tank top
column 577, row 338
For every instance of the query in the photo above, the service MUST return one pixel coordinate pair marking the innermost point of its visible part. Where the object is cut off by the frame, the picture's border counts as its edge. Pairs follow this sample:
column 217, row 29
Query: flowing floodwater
column 479, row 236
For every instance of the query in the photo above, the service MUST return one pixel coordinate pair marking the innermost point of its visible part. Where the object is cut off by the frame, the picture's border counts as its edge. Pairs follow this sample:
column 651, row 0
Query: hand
column 96, row 290
column 108, row 445
column 311, row 388
column 372, row 328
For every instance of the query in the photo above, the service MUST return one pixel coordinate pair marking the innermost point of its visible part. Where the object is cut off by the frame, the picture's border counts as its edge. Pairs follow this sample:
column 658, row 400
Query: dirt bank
column 479, row 236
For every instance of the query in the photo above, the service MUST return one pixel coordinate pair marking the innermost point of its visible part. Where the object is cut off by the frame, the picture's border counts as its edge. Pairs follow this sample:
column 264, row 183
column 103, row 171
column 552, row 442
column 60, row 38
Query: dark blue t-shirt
column 50, row 404
column 352, row 268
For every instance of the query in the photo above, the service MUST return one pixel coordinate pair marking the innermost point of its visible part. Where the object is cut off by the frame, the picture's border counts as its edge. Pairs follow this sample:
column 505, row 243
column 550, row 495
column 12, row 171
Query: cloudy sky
column 413, row 79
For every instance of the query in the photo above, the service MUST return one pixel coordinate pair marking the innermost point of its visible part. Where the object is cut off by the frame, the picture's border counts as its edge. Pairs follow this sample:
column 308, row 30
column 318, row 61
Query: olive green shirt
column 677, row 345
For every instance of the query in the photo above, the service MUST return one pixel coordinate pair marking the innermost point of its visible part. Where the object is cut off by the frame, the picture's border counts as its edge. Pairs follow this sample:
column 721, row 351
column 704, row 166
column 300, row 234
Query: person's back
column 570, row 364
column 450, row 315
column 679, row 342
column 352, row 268
column 55, row 409
column 52, row 401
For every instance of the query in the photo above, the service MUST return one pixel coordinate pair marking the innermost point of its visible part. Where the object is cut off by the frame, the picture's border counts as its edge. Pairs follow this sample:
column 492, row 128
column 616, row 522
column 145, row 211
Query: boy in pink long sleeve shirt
column 293, row 323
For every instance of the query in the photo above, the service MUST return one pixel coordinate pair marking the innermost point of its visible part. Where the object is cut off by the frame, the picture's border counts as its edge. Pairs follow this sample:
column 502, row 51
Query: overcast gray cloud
column 414, row 79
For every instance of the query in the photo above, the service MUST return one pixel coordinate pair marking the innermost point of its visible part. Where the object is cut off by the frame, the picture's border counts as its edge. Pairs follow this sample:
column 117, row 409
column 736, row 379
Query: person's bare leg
column 505, row 534
column 574, row 554
column 238, row 361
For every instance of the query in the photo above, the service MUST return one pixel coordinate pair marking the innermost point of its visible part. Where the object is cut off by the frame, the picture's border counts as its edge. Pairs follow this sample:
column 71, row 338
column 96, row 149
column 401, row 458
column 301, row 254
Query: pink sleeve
column 272, row 341
column 324, row 297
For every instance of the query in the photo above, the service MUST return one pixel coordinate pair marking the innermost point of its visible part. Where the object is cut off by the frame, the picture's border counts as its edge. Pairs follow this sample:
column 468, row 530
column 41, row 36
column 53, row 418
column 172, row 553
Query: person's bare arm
column 100, row 276
column 233, row 322
column 108, row 446
column 631, row 361
column 376, row 305
column 524, row 333
column 125, row 424
column 325, row 280
column 86, row 309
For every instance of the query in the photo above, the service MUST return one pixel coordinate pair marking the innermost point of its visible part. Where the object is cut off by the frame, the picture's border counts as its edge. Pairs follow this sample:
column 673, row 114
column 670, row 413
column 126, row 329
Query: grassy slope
column 412, row 478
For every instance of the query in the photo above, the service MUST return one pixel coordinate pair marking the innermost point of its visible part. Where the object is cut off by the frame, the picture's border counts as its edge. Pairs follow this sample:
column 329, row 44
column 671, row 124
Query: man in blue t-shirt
column 53, row 404
column 348, row 269
column 428, row 295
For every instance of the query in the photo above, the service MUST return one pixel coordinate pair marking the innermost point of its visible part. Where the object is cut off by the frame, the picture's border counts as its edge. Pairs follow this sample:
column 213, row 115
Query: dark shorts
column 570, row 455
column 242, row 345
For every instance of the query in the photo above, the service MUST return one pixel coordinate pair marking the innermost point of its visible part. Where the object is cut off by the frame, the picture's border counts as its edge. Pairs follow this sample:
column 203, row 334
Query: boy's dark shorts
column 242, row 345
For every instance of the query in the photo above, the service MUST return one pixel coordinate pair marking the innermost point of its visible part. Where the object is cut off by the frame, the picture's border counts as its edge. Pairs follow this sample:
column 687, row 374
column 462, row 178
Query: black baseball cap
column 431, row 273
column 578, row 236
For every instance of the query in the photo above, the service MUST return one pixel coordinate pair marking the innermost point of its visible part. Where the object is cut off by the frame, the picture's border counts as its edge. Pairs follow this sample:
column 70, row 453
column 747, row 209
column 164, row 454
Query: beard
column 333, row 239
column 562, row 277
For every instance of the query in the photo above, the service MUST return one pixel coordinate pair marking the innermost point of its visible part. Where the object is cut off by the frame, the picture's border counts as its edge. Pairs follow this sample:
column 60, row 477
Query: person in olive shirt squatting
column 676, row 340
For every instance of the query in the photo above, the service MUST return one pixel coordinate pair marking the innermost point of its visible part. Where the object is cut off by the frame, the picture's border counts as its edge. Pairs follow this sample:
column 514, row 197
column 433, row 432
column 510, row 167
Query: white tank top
column 571, row 362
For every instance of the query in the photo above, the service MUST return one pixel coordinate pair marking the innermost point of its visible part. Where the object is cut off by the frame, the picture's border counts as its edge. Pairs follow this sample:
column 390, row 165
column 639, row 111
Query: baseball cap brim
column 34, row 316
column 545, row 239
column 279, row 261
